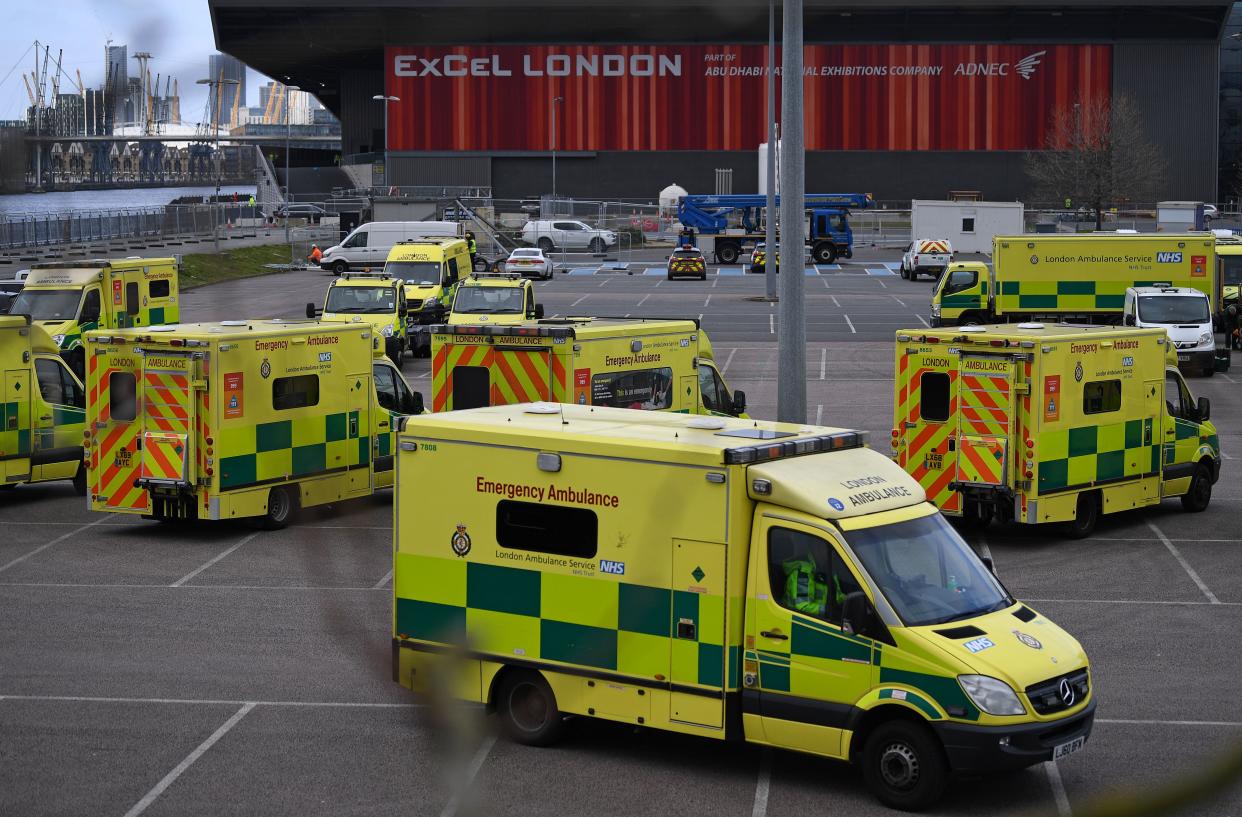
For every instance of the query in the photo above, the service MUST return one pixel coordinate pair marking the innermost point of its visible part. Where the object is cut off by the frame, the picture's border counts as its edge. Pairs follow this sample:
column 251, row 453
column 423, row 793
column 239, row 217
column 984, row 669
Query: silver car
column 529, row 262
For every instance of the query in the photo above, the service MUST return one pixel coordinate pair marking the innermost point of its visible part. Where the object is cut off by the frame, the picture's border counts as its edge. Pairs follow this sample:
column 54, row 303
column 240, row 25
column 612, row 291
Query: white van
column 368, row 245
column 1185, row 313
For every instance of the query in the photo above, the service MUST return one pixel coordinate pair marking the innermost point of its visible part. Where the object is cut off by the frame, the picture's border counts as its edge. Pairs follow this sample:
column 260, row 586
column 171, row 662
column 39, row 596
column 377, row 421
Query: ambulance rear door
column 15, row 425
column 168, row 436
column 986, row 419
column 114, row 383
column 512, row 369
column 926, row 412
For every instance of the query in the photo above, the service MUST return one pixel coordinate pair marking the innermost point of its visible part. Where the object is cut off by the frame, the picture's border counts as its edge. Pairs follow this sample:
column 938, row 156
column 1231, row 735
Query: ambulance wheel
column 1086, row 514
column 971, row 319
column 904, row 765
column 1200, row 493
column 282, row 508
column 79, row 481
column 528, row 710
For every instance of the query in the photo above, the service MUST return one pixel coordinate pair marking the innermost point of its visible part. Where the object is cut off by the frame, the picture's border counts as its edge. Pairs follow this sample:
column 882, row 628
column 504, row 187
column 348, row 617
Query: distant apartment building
column 220, row 105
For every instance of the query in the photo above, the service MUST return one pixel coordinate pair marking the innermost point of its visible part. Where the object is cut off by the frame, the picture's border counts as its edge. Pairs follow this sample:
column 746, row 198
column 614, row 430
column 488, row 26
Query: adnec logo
column 1026, row 66
column 1168, row 258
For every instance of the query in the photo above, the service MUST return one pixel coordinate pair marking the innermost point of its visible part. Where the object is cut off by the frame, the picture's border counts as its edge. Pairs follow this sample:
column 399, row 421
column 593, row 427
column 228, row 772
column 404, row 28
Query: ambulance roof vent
column 971, row 329
column 232, row 323
column 706, row 423
column 1030, row 326
column 160, row 328
column 543, row 408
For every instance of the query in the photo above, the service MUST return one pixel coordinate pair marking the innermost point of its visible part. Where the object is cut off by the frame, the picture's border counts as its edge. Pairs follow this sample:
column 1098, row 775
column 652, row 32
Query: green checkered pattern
column 1067, row 296
column 14, row 429
column 599, row 623
column 1081, row 456
column 966, row 300
column 291, row 448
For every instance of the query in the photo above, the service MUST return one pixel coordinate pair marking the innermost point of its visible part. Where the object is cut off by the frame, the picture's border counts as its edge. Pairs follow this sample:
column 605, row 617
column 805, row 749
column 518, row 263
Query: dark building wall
column 362, row 118
column 1176, row 87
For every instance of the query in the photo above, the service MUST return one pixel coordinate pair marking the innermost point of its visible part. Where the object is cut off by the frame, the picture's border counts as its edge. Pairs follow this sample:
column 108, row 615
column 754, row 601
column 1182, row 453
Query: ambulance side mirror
column 855, row 613
column 538, row 312
column 1205, row 409
column 739, row 402
column 312, row 312
column 414, row 404
column 989, row 564
column 1130, row 320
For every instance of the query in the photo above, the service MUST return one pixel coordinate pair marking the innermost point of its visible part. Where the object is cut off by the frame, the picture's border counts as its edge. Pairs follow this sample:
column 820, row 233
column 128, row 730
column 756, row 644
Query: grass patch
column 200, row 269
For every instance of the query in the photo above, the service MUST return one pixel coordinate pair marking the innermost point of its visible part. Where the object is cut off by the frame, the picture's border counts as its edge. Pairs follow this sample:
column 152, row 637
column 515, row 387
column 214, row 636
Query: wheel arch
column 868, row 718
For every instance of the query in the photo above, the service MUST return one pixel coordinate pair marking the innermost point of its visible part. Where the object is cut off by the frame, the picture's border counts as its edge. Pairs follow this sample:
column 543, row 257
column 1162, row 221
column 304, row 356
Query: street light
column 386, row 100
column 214, row 85
column 289, row 89
column 556, row 100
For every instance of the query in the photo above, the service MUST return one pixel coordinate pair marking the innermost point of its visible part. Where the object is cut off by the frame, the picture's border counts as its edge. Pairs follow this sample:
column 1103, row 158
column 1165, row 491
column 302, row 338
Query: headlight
column 1205, row 337
column 58, row 339
column 992, row 696
column 386, row 331
column 935, row 310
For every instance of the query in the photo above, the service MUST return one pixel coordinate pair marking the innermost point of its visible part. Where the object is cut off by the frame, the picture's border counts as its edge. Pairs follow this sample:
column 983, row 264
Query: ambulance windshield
column 1231, row 270
column 361, row 299
column 494, row 300
column 414, row 272
column 1173, row 309
column 47, row 304
column 927, row 573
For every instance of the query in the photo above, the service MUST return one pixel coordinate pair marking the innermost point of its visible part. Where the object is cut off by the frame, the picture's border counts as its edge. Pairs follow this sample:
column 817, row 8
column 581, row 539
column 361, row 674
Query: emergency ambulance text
column 514, row 490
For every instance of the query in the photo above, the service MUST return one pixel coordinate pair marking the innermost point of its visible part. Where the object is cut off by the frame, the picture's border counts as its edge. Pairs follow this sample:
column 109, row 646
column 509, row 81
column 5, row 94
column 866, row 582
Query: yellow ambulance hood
column 1021, row 653
column 837, row 484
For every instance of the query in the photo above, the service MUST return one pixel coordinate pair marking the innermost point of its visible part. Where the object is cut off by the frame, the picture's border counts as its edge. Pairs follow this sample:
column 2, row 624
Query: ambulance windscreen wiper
column 982, row 611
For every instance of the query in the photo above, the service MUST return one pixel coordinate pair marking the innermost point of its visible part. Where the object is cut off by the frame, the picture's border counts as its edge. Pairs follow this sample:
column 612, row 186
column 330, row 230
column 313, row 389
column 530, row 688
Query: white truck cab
column 1185, row 313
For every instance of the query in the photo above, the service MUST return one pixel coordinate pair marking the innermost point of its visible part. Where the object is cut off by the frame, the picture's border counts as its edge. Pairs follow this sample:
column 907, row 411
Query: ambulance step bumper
column 979, row 749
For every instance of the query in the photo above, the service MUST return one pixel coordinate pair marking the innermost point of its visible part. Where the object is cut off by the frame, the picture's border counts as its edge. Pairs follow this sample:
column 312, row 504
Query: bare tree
column 1098, row 155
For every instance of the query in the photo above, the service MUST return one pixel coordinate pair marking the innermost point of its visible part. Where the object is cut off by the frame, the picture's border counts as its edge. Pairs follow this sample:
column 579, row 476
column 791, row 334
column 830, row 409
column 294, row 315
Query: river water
column 83, row 200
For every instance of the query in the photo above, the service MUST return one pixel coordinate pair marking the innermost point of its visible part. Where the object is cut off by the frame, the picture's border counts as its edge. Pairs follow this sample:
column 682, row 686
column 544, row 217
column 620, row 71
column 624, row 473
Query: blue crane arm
column 711, row 213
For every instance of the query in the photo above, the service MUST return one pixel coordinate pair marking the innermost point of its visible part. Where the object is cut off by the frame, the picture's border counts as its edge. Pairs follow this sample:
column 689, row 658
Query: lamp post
column 386, row 99
column 289, row 89
column 214, row 86
column 556, row 100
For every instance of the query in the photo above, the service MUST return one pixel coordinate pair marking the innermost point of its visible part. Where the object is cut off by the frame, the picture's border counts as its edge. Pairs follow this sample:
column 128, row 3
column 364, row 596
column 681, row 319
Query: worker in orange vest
column 315, row 254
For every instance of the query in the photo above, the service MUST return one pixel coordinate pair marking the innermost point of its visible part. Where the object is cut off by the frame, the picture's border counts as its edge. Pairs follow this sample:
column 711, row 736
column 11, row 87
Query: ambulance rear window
column 934, row 396
column 160, row 288
column 1101, row 396
column 300, row 391
column 123, row 396
column 547, row 529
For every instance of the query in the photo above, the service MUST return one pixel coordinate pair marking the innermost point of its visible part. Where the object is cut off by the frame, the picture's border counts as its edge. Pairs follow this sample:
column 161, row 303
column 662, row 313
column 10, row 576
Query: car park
column 529, row 262
column 687, row 262
column 567, row 235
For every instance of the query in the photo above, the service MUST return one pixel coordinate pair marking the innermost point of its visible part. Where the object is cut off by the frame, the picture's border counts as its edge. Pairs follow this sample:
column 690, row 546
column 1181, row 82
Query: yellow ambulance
column 1080, row 278
column 42, row 408
column 1035, row 423
column 495, row 298
column 1229, row 261
column 373, row 299
column 660, row 364
column 738, row 580
column 239, row 418
column 431, row 268
column 68, row 298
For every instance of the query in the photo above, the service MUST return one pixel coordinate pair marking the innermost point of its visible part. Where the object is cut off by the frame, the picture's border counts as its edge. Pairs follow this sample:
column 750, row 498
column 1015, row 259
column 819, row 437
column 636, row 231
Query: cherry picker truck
column 729, row 225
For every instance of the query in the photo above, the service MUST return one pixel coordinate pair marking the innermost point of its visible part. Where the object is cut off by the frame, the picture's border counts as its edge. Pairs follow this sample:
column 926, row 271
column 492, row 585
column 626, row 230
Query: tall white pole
column 769, row 266
column 791, row 379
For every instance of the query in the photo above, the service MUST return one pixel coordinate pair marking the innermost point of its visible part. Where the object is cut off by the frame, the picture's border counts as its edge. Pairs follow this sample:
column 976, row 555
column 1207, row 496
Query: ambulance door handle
column 777, row 634
column 383, row 424
column 953, row 443
column 45, row 416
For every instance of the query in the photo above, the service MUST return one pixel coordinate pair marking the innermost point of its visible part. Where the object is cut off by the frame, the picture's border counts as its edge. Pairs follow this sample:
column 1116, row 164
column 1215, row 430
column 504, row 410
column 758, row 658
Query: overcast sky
column 177, row 33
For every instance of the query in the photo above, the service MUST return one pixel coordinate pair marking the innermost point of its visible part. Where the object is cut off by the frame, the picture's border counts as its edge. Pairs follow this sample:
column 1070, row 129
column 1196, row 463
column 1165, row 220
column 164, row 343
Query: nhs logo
column 1168, row 258
column 615, row 568
column 979, row 644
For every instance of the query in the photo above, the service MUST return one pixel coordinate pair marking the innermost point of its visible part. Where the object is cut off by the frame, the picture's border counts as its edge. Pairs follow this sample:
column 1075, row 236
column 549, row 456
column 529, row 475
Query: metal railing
column 27, row 230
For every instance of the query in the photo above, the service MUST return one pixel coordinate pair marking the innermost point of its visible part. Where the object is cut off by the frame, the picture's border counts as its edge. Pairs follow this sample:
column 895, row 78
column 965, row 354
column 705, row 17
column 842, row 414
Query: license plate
column 1067, row 749
column 1183, row 358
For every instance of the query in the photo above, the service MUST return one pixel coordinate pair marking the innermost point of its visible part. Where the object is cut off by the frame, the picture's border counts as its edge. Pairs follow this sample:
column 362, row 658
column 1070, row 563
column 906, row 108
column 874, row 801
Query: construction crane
column 712, row 216
column 236, row 101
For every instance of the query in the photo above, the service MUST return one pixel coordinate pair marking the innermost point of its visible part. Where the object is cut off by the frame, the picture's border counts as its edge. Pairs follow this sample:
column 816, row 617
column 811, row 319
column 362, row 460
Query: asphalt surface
column 163, row 670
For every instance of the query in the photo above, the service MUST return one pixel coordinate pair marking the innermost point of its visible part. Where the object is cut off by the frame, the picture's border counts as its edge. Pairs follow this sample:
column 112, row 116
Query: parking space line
column 1143, row 722
column 835, row 302
column 729, row 360
column 1058, row 789
column 1227, row 378
column 189, row 760
column 823, row 362
column 55, row 541
column 220, row 556
column 580, row 300
column 1190, row 571
column 881, row 283
column 762, row 785
column 708, row 300
column 379, row 585
column 924, row 320
column 643, row 299
column 131, row 586
column 604, row 282
column 103, row 699
column 819, row 414
column 1139, row 601
column 480, row 757
column 853, row 331
column 898, row 300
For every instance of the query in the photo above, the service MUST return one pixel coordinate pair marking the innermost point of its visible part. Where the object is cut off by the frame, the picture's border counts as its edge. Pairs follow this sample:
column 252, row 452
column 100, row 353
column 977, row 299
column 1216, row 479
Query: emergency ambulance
column 739, row 580
column 431, row 268
column 42, row 408
column 69, row 298
column 1229, row 261
column 1079, row 278
column 372, row 299
column 239, row 418
column 499, row 299
column 1035, row 423
column 661, row 364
